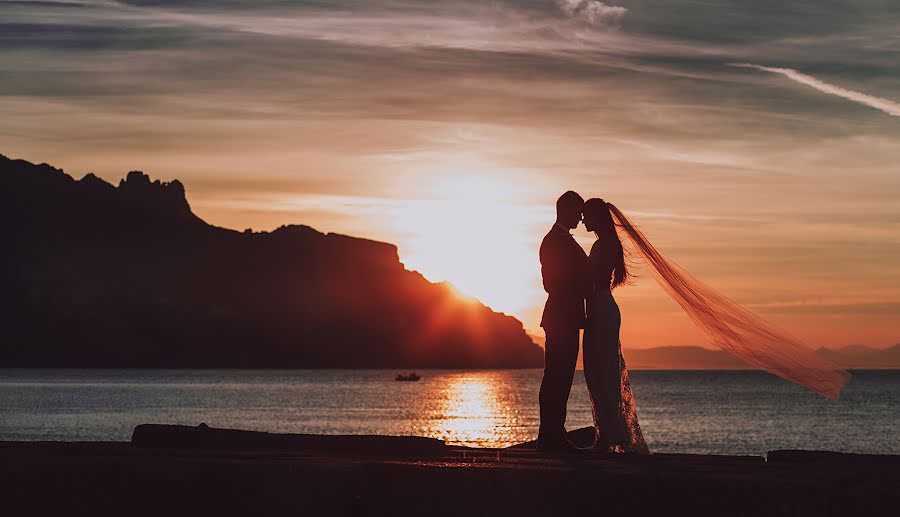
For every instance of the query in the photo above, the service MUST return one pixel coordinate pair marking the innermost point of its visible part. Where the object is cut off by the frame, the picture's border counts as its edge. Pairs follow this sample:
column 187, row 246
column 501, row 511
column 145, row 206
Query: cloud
column 885, row 105
column 592, row 11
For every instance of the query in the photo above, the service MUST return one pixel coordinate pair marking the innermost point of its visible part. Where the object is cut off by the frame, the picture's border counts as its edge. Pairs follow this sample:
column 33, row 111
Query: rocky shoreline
column 180, row 470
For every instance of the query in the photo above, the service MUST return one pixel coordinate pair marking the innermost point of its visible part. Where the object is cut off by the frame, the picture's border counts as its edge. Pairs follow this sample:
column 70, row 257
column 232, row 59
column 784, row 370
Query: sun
column 474, row 232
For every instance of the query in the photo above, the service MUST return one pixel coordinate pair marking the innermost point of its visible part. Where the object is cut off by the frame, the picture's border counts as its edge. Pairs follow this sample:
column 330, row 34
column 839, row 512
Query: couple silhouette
column 579, row 296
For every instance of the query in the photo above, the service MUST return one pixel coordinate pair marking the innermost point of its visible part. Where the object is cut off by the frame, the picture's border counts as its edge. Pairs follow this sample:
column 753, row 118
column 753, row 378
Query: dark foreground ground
column 174, row 470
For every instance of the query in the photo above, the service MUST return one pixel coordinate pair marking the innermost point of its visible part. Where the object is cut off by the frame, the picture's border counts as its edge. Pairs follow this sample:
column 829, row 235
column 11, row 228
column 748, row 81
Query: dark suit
column 566, row 273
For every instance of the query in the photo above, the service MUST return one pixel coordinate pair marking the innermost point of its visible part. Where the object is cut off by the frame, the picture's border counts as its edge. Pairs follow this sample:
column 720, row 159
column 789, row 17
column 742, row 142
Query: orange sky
column 450, row 131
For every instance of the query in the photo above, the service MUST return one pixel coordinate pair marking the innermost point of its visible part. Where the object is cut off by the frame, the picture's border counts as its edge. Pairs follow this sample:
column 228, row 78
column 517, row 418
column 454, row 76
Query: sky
column 757, row 143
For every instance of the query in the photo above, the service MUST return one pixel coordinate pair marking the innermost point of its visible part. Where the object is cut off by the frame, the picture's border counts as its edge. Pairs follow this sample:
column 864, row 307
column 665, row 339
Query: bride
column 729, row 326
column 616, row 427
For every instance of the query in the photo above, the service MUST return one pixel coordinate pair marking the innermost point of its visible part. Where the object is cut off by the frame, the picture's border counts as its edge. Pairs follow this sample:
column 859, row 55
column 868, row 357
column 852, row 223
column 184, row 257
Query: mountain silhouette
column 97, row 275
column 699, row 358
column 861, row 356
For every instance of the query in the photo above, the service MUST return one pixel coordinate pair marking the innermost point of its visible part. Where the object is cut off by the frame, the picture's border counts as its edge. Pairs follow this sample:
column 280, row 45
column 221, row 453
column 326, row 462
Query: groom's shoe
column 563, row 446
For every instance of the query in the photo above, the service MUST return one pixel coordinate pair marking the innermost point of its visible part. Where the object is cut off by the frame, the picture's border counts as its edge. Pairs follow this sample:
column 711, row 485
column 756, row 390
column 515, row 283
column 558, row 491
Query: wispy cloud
column 592, row 11
column 885, row 105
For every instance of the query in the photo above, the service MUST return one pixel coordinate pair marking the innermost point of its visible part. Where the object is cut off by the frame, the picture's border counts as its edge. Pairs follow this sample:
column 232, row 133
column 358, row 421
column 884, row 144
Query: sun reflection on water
column 470, row 409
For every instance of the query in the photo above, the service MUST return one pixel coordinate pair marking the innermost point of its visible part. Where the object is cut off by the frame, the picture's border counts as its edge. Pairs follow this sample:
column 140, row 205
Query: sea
column 706, row 412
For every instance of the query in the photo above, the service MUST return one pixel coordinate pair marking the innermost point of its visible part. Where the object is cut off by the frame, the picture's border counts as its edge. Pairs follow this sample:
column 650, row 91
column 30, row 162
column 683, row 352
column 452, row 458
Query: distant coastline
column 127, row 276
column 698, row 358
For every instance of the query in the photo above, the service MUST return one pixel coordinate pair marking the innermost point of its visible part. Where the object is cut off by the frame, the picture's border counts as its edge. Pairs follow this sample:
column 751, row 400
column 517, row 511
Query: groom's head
column 568, row 209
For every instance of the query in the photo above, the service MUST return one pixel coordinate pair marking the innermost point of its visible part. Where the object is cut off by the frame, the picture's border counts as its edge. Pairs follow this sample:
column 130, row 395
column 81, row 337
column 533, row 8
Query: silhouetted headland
column 180, row 470
column 97, row 275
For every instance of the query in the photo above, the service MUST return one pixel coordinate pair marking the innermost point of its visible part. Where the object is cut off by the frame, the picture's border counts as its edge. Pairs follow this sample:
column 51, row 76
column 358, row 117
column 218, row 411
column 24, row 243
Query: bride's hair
column 732, row 327
column 600, row 211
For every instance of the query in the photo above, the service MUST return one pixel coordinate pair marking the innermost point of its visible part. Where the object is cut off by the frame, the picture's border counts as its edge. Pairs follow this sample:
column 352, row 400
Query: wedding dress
column 616, row 427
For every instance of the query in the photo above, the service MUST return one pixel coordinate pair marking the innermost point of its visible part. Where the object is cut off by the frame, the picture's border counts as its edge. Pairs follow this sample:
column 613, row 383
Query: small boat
column 411, row 377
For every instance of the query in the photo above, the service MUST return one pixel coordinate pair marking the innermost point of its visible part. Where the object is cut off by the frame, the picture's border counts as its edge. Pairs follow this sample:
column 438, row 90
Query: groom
column 566, row 273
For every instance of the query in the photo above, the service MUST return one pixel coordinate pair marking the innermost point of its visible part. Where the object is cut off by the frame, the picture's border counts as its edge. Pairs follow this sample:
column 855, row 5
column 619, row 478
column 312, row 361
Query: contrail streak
column 885, row 105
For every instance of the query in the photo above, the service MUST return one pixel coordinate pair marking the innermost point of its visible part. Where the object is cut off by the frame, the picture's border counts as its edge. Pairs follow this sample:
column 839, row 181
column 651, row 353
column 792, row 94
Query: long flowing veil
column 734, row 328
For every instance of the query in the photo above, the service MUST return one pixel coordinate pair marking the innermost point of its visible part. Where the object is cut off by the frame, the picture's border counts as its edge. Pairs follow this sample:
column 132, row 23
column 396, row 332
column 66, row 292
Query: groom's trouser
column 560, row 356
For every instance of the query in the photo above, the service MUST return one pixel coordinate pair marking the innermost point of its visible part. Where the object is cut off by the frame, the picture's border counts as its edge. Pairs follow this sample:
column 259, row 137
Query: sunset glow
column 474, row 233
column 761, row 153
